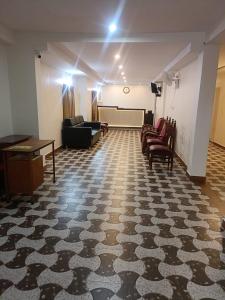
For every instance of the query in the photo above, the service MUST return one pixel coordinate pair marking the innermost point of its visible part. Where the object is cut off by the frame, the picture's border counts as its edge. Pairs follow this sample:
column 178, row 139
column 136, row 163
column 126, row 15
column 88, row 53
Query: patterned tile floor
column 112, row 229
column 216, row 169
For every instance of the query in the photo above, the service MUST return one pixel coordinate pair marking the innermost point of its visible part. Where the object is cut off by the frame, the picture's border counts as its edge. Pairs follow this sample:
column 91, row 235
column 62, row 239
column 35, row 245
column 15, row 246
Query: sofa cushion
column 70, row 122
column 159, row 149
column 94, row 131
column 80, row 119
column 155, row 142
column 76, row 120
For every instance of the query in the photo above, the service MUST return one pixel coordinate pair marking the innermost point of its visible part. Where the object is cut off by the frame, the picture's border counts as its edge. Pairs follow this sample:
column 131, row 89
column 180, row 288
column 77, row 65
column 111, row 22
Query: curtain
column 68, row 101
column 94, row 106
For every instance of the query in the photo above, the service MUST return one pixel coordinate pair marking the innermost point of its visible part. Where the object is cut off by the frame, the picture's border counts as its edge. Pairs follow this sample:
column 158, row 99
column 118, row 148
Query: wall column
column 22, row 78
column 202, row 117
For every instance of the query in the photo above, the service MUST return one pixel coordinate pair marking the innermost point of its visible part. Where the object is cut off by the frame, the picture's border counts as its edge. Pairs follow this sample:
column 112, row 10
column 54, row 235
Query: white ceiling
column 93, row 16
column 142, row 62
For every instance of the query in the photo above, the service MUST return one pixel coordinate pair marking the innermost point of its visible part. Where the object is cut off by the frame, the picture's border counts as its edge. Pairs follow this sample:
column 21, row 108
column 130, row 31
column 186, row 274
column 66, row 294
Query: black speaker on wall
column 154, row 88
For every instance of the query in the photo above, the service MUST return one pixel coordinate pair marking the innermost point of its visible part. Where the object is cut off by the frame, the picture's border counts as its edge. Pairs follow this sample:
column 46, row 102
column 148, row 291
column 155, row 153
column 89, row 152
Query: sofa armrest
column 94, row 125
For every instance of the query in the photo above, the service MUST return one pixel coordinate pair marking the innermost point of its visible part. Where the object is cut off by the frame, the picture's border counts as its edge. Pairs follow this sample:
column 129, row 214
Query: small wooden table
column 28, row 148
column 13, row 139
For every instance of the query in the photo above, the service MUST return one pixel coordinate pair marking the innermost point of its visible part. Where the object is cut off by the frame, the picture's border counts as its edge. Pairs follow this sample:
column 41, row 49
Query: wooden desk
column 12, row 140
column 28, row 148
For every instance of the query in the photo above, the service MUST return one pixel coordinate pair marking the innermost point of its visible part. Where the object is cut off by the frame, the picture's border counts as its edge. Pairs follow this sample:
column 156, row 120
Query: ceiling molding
column 185, row 57
column 99, row 38
column 6, row 35
column 67, row 59
column 217, row 35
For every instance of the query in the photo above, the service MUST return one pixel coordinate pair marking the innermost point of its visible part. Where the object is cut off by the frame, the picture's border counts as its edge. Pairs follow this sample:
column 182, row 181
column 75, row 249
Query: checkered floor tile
column 112, row 229
column 216, row 169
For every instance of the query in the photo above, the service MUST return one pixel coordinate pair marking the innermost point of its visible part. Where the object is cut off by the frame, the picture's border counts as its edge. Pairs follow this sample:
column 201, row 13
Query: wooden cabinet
column 23, row 166
column 25, row 173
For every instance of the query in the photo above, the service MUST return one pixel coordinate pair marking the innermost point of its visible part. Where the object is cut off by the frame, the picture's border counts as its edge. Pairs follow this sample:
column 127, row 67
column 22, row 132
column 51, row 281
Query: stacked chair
column 160, row 147
column 150, row 131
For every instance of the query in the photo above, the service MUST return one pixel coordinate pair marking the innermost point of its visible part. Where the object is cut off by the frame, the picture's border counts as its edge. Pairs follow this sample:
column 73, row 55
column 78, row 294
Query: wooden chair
column 164, row 153
column 149, row 129
column 159, row 139
column 104, row 128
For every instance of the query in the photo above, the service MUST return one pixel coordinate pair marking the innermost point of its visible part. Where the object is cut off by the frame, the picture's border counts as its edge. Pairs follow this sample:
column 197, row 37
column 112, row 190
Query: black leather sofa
column 77, row 133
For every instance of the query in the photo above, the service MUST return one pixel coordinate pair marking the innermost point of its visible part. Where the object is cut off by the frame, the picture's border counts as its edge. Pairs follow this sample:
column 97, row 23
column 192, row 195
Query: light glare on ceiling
column 65, row 80
column 117, row 56
column 112, row 27
column 122, row 73
column 75, row 72
column 120, row 67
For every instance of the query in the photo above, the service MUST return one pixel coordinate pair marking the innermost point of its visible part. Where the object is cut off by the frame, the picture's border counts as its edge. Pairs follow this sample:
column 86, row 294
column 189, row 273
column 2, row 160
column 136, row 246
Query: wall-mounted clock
column 126, row 90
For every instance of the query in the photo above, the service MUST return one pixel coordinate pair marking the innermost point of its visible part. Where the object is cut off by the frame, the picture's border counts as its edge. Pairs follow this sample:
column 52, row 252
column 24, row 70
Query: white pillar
column 202, row 118
column 23, row 91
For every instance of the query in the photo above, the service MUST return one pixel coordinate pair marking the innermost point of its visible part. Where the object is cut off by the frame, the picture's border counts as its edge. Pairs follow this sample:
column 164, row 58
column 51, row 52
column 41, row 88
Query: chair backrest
column 159, row 124
column 163, row 132
column 172, row 136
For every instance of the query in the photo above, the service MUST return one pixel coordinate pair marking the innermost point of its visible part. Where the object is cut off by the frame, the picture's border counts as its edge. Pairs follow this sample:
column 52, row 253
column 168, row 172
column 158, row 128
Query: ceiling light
column 65, row 80
column 75, row 72
column 112, row 27
column 120, row 67
column 122, row 73
column 117, row 56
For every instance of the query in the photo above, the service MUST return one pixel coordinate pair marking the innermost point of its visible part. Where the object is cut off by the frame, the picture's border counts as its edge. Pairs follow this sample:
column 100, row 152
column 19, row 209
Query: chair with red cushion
column 149, row 129
column 152, row 139
column 164, row 153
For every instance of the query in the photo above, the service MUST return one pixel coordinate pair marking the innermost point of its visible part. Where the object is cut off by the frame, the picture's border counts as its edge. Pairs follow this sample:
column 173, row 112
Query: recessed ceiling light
column 120, row 67
column 112, row 27
column 122, row 73
column 117, row 56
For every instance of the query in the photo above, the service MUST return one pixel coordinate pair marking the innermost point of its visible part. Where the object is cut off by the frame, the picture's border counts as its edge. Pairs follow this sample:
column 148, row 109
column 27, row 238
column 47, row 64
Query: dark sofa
column 77, row 133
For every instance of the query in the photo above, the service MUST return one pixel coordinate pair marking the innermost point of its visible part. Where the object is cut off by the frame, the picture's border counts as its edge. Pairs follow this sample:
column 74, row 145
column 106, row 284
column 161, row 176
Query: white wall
column 50, row 108
column 6, row 127
column 139, row 97
column 218, row 122
column 21, row 62
column 83, row 86
column 181, row 105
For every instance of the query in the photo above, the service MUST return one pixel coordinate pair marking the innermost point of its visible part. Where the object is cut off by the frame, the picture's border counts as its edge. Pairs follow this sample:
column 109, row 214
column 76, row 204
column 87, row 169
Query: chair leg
column 150, row 161
column 171, row 164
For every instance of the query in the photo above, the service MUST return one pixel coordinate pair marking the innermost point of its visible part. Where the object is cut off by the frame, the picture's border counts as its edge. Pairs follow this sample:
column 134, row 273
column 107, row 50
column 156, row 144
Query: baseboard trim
column 196, row 179
column 218, row 145
column 48, row 155
column 181, row 161
column 124, row 127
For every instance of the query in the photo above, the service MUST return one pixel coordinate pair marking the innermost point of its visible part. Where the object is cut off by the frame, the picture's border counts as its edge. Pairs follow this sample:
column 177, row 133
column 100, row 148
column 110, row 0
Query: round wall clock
column 126, row 90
